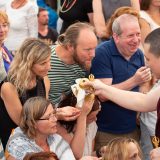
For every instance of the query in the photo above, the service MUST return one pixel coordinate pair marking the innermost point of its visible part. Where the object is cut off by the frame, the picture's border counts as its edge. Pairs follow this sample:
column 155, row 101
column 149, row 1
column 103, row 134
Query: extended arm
column 130, row 100
column 142, row 75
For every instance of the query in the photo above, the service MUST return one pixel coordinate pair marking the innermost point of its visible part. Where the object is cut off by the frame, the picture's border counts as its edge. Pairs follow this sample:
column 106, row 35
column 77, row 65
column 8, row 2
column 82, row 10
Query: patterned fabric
column 62, row 76
column 1, row 152
column 19, row 145
column 3, row 73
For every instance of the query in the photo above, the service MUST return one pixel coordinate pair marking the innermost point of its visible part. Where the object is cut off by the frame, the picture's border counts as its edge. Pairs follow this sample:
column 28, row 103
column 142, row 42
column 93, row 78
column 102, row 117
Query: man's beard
column 45, row 23
column 82, row 64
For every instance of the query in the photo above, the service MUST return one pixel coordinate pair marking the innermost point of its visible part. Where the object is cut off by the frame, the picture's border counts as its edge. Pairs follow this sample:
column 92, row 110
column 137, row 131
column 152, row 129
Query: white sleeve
column 32, row 22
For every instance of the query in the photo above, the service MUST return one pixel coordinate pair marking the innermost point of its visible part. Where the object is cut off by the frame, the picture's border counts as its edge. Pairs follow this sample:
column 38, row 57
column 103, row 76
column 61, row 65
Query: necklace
column 67, row 5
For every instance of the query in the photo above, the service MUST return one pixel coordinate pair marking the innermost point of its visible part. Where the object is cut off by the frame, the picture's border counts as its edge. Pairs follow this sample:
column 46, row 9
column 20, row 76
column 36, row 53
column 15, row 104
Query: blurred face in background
column 4, row 27
column 155, row 3
column 43, row 18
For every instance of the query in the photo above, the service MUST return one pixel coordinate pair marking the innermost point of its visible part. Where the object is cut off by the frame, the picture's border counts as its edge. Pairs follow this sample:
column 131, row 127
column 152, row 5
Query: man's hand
column 142, row 75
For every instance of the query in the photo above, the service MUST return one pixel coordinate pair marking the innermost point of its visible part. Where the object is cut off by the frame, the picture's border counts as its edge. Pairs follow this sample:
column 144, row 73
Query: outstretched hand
column 68, row 113
column 98, row 87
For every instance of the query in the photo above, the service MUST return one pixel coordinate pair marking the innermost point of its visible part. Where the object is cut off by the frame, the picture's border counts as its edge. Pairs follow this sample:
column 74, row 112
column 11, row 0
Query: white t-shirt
column 90, row 135
column 23, row 24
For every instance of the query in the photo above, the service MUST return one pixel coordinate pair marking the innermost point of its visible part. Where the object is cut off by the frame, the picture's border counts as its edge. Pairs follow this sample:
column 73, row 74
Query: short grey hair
column 116, row 26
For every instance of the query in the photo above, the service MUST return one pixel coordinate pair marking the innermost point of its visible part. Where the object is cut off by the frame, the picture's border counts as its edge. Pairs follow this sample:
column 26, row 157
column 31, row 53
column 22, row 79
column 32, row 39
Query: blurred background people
column 47, row 34
column 22, row 16
column 5, row 55
column 53, row 16
column 103, row 10
column 150, row 17
column 72, row 11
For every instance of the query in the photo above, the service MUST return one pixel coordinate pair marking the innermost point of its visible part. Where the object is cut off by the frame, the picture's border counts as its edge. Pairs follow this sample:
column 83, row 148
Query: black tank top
column 6, row 123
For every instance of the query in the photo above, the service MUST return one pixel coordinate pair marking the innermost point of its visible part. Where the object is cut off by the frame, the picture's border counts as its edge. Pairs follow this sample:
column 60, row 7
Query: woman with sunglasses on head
column 37, row 132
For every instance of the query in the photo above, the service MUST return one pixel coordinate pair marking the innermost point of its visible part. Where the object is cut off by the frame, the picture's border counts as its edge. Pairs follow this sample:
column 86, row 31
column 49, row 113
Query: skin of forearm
column 130, row 100
column 79, row 137
column 126, row 85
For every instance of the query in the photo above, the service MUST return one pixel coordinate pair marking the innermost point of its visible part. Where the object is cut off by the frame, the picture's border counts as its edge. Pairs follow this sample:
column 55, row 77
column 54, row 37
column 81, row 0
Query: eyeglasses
column 50, row 116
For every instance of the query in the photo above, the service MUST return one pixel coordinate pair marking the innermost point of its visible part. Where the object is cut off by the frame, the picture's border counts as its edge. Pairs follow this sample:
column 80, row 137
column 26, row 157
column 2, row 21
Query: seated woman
column 37, row 132
column 25, row 79
column 122, row 148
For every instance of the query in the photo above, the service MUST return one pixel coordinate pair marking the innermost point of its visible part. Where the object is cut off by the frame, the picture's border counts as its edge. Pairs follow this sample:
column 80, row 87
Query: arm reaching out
column 130, row 100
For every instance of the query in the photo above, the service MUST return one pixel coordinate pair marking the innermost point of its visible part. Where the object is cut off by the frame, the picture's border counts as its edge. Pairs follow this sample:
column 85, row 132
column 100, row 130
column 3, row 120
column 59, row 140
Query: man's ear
column 115, row 37
column 70, row 48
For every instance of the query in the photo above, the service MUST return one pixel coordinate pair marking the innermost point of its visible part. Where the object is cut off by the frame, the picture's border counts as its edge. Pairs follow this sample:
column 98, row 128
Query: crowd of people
column 113, row 47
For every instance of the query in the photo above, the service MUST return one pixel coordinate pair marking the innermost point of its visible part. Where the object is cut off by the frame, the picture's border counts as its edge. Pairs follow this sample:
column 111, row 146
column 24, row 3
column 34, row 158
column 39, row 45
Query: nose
column 48, row 66
column 136, row 38
column 1, row 28
column 92, row 53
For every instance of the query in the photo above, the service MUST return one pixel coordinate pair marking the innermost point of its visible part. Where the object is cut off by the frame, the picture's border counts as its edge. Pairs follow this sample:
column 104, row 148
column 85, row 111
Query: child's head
column 122, row 148
column 41, row 156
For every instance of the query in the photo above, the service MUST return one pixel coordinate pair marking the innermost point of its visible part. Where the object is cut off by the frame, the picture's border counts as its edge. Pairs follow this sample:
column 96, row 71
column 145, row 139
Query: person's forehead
column 43, row 13
column 86, row 36
column 130, row 27
column 146, row 48
column 49, row 109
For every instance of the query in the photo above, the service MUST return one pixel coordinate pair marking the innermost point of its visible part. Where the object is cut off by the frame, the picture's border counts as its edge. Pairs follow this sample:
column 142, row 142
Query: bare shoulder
column 8, row 89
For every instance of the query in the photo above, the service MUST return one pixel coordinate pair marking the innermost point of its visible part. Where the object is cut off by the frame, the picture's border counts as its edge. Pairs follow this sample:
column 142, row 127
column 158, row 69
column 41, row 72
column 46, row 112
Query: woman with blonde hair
column 122, row 148
column 25, row 79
